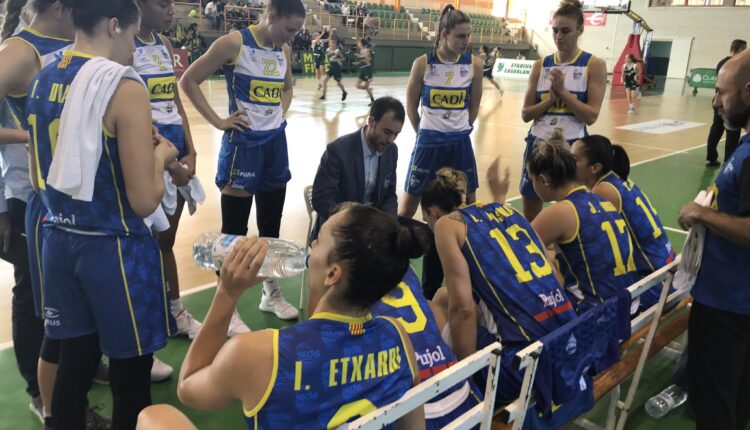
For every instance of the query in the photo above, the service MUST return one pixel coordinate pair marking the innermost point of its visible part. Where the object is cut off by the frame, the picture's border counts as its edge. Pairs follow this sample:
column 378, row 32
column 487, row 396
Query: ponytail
column 450, row 18
column 613, row 158
column 13, row 9
column 620, row 162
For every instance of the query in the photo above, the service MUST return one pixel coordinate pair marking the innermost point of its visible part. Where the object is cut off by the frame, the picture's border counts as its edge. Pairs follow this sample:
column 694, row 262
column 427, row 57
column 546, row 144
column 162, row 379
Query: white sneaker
column 160, row 371
column 275, row 303
column 631, row 111
column 187, row 325
column 37, row 408
column 236, row 325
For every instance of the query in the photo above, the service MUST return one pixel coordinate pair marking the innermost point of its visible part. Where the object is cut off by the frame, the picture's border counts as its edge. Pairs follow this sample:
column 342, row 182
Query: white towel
column 79, row 147
column 157, row 221
column 192, row 192
column 692, row 252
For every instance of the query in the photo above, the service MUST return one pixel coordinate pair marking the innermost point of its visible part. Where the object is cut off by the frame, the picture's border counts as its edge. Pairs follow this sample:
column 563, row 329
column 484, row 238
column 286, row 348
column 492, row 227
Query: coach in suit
column 361, row 166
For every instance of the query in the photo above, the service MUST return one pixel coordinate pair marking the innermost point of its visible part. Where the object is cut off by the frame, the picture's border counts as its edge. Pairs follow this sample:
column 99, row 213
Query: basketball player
column 565, row 91
column 324, row 372
column 103, row 286
column 335, row 67
column 253, row 160
column 630, row 78
column 448, row 82
column 23, row 54
column 595, row 251
column 496, row 273
column 153, row 60
column 604, row 169
column 367, row 56
column 488, row 60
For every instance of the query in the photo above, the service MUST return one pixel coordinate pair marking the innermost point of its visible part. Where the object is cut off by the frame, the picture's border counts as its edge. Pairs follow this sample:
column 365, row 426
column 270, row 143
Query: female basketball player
column 153, row 60
column 630, row 78
column 23, row 54
column 565, row 90
column 103, row 280
column 488, row 60
column 595, row 251
column 492, row 253
column 330, row 369
column 335, row 67
column 253, row 160
column 319, row 53
column 448, row 82
column 366, row 56
column 604, row 169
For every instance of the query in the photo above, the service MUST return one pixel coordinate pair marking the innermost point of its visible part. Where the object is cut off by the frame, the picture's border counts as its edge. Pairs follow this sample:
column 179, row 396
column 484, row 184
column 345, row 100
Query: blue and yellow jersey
column 406, row 304
column 153, row 63
column 722, row 281
column 47, row 49
column 333, row 369
column 512, row 281
column 255, row 80
column 652, row 247
column 109, row 211
column 598, row 260
column 560, row 115
column 446, row 94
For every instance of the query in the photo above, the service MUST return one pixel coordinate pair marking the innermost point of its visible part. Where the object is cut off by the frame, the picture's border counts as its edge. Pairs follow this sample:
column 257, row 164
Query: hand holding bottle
column 240, row 269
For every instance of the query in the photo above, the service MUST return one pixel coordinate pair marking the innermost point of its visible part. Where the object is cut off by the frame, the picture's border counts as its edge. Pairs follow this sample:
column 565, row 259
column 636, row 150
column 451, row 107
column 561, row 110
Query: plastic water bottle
column 284, row 258
column 660, row 405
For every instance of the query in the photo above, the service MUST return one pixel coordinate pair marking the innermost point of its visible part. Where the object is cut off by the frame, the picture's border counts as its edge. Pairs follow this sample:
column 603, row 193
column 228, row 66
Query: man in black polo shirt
column 717, row 128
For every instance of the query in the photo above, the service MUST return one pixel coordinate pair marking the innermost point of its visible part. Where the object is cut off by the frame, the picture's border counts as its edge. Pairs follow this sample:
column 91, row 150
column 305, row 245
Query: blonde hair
column 447, row 191
column 552, row 157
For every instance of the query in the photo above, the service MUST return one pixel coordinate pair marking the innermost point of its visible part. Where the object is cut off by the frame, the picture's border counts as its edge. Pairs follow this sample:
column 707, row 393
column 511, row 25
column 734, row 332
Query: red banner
column 181, row 61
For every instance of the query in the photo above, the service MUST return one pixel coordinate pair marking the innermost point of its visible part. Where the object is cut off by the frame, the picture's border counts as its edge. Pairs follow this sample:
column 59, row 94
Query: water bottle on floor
column 660, row 405
column 283, row 260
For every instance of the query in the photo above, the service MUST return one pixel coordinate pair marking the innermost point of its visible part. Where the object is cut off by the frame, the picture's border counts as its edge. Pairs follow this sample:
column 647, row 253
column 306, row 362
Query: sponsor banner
column 702, row 78
column 512, row 69
column 181, row 61
column 661, row 126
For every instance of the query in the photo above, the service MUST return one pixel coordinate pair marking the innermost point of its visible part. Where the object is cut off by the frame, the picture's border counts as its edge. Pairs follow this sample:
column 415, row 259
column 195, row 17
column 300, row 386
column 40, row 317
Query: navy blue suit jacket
column 341, row 178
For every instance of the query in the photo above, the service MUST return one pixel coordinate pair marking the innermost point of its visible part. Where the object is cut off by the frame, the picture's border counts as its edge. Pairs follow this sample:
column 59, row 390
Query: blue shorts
column 260, row 167
column 438, row 423
column 109, row 285
column 175, row 134
column 527, row 187
column 434, row 151
column 35, row 212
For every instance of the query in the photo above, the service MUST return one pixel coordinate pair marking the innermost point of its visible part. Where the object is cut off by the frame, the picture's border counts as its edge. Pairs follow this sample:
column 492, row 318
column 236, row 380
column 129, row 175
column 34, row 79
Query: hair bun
column 449, row 7
column 572, row 3
column 454, row 179
column 411, row 242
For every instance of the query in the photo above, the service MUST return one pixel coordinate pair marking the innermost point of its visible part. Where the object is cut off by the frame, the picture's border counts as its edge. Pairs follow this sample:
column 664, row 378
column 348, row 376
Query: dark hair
column 631, row 57
column 737, row 46
column 13, row 9
column 613, row 158
column 447, row 191
column 553, row 159
column 286, row 8
column 571, row 9
column 383, row 105
column 88, row 13
column 485, row 49
column 365, row 41
column 375, row 250
column 450, row 18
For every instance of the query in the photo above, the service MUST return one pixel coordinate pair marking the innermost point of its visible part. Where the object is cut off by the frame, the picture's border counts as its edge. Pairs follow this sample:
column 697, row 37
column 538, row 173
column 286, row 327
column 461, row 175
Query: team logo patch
column 577, row 74
column 463, row 72
column 572, row 346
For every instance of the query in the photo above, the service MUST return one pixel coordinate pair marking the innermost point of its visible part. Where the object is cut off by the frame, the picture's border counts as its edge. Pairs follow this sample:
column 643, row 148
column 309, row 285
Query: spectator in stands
column 719, row 327
column 297, row 43
column 194, row 42
column 306, row 40
column 520, row 56
column 212, row 13
column 178, row 33
column 371, row 25
column 345, row 9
